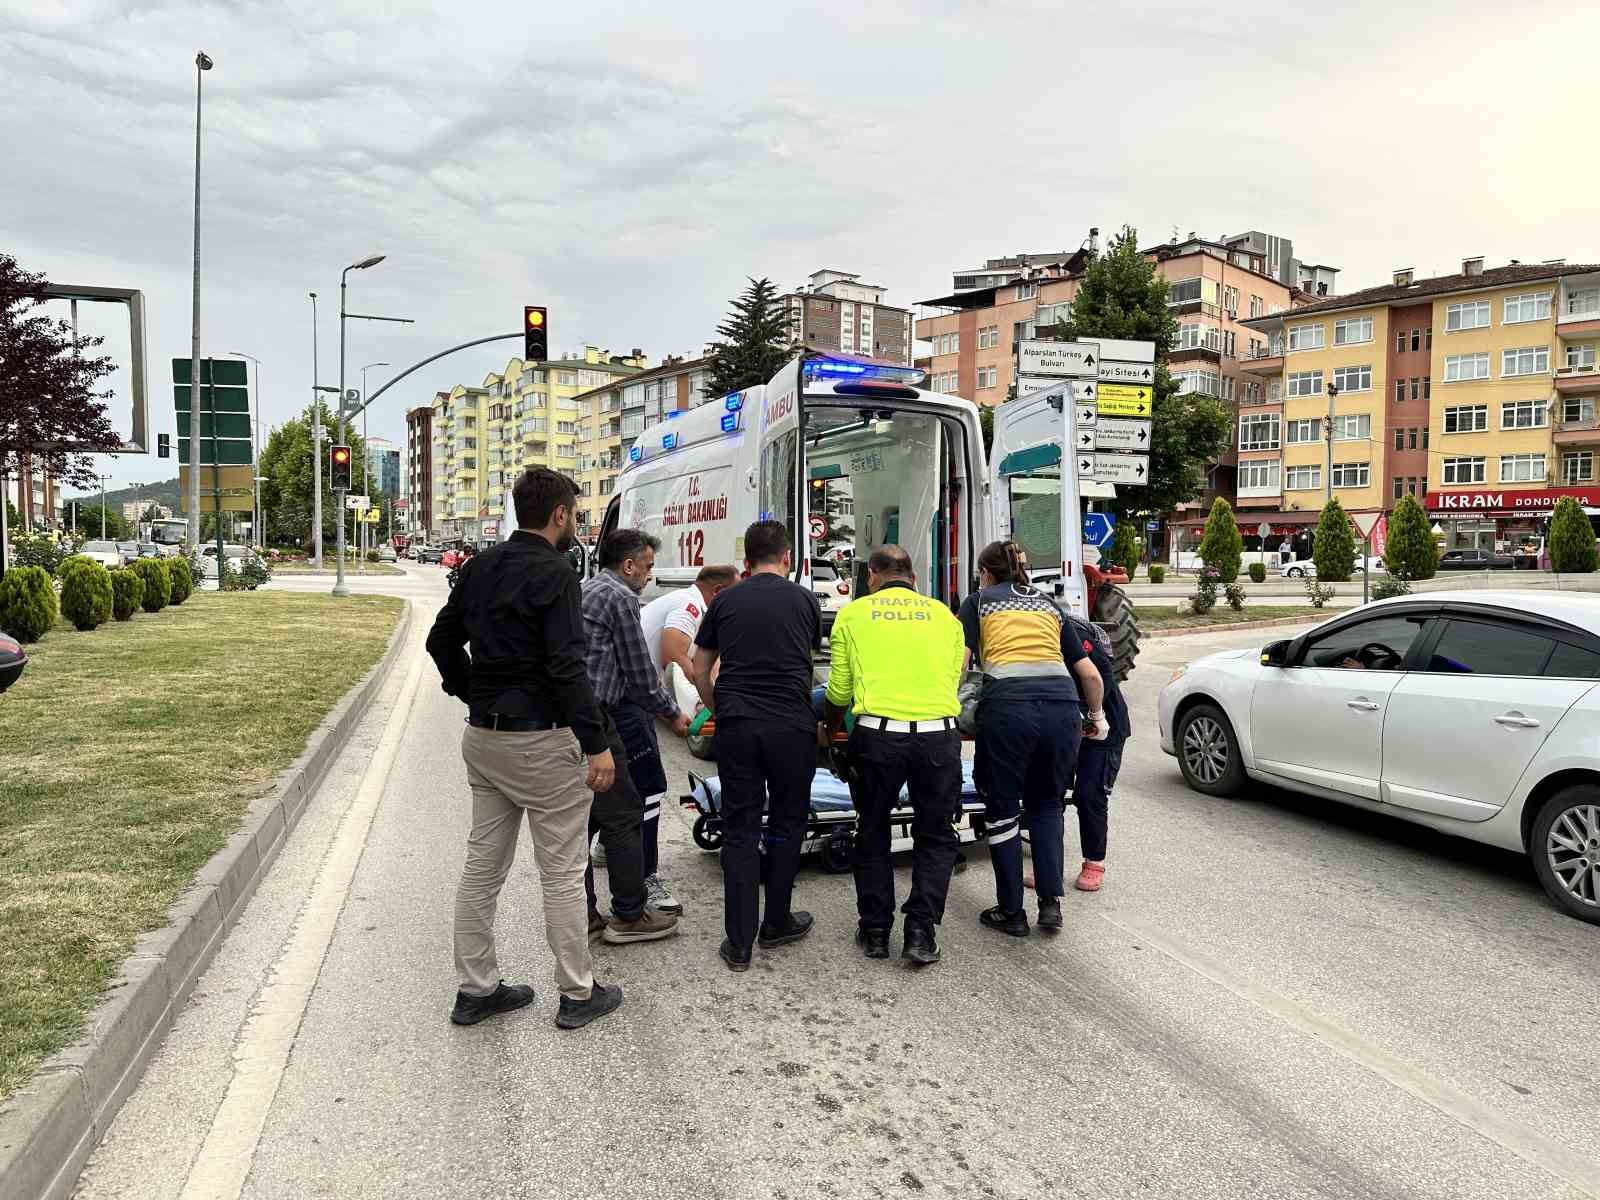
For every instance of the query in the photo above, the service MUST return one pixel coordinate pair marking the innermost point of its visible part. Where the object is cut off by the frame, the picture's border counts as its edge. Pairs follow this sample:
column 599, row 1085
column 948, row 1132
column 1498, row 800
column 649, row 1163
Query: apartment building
column 459, row 427
column 385, row 468
column 1475, row 392
column 599, row 452
column 836, row 312
column 34, row 494
column 419, row 466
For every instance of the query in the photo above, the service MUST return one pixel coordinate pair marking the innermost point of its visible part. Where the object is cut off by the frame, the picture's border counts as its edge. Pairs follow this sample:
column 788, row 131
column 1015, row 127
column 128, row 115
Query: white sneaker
column 597, row 852
column 657, row 896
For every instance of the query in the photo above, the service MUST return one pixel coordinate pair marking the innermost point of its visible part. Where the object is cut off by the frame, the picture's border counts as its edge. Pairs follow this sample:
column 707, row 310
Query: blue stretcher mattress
column 829, row 793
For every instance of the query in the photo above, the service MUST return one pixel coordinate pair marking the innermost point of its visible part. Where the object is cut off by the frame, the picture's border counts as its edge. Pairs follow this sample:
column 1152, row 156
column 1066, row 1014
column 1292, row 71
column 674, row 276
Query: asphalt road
column 1272, row 997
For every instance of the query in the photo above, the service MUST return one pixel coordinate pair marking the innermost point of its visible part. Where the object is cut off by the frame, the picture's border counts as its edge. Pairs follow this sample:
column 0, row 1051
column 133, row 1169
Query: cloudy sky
column 629, row 165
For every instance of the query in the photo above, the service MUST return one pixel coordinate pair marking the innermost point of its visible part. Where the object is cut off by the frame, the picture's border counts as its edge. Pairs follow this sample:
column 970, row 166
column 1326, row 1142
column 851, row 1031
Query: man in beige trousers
column 535, row 746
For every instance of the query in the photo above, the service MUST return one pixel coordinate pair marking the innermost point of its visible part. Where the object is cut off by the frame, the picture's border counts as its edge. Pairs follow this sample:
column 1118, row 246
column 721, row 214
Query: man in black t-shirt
column 763, row 632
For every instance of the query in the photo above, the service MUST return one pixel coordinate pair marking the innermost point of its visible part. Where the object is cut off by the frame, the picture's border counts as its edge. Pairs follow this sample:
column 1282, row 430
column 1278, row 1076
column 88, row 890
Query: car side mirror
column 1276, row 654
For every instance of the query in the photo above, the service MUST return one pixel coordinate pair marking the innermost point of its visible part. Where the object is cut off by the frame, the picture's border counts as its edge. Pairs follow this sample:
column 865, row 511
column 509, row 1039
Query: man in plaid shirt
column 629, row 689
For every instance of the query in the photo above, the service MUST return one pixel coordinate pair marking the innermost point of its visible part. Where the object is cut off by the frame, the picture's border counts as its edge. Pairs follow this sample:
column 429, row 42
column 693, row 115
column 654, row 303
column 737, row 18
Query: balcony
column 1576, row 433
column 1577, row 379
column 1268, row 363
column 1582, row 321
column 1204, row 352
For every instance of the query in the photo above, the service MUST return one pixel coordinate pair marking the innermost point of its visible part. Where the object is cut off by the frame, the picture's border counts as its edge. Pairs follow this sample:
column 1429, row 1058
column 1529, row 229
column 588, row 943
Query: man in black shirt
column 532, row 720
column 763, row 632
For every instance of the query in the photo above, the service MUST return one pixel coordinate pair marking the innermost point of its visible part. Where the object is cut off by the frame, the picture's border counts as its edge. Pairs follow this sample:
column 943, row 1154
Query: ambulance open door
column 1026, row 492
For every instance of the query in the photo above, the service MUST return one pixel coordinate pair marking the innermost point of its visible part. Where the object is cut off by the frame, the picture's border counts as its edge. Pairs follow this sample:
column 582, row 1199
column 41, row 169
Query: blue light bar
column 845, row 368
column 635, row 452
column 730, row 422
column 677, row 412
column 669, row 441
column 734, row 402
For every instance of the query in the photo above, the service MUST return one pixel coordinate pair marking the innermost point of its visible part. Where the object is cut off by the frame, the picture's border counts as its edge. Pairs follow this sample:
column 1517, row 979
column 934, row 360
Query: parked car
column 13, row 660
column 429, row 554
column 129, row 551
column 451, row 559
column 385, row 553
column 1473, row 713
column 1306, row 566
column 236, row 555
column 104, row 553
column 149, row 550
column 1475, row 560
column 831, row 589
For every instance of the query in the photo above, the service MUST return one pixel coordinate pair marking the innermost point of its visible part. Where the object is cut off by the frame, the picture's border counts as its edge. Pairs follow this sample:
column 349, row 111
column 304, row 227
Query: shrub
column 127, row 593
column 197, row 567
column 1390, row 586
column 1235, row 594
column 41, row 549
column 1258, row 572
column 27, row 603
column 157, row 582
column 1571, row 539
column 254, row 572
column 182, row 578
column 1158, row 573
column 1220, row 545
column 1411, row 553
column 85, row 593
column 1205, row 590
column 1335, row 549
column 1318, row 593
column 1124, row 548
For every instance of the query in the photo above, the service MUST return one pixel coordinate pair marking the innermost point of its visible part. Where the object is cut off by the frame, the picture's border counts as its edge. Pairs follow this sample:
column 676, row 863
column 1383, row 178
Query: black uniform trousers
column 928, row 765
column 760, row 765
column 616, row 816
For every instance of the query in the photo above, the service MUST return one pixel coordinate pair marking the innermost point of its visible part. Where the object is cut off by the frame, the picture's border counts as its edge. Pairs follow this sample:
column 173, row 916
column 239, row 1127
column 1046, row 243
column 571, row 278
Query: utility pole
column 103, row 479
column 316, row 446
column 202, row 64
column 1333, row 394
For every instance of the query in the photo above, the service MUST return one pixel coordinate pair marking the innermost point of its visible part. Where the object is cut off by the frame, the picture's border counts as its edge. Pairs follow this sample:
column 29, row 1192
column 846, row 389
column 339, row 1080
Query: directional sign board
column 1124, row 400
column 1082, row 389
column 1112, row 371
column 1097, row 528
column 1074, row 360
column 224, row 411
column 1085, row 439
column 358, row 503
column 1120, row 433
column 1121, row 468
column 1126, row 351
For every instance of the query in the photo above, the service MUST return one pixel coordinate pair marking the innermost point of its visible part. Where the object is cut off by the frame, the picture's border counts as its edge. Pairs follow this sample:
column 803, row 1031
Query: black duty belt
column 504, row 724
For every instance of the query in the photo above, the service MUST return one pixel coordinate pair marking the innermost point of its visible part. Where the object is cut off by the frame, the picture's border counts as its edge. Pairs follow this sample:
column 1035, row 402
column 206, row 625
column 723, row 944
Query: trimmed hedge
column 127, row 593
column 1158, row 573
column 182, row 577
column 85, row 592
column 27, row 603
column 1258, row 572
column 157, row 582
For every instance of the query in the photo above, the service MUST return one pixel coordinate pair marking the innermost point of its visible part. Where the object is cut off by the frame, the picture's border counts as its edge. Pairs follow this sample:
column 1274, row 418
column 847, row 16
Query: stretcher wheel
column 703, row 745
column 707, row 832
column 839, row 853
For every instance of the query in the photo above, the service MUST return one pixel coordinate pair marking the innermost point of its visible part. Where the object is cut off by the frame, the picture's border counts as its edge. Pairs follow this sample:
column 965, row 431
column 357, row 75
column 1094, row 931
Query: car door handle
column 1363, row 705
column 1516, row 720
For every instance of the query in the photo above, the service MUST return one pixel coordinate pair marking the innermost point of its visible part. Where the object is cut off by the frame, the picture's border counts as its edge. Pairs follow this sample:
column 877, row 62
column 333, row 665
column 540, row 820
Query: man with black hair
column 763, row 633
column 532, row 718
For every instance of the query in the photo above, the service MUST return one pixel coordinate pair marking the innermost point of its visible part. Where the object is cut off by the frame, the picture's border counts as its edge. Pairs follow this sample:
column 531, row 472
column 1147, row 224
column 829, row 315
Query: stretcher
column 831, row 824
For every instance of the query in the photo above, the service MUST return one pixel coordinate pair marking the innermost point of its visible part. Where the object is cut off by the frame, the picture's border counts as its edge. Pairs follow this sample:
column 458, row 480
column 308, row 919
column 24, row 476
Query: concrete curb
column 1235, row 626
column 50, row 1127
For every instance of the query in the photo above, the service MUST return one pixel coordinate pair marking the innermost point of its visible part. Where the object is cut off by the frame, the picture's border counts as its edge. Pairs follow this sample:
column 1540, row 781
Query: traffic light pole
column 340, row 587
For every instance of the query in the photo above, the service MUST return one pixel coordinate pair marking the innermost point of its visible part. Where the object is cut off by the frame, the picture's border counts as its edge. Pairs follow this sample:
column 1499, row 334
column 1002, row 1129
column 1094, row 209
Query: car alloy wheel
column 1295, row 573
column 1573, row 849
column 1205, row 749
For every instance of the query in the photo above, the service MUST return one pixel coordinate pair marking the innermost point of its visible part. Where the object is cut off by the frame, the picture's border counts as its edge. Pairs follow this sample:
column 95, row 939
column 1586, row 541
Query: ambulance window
column 1036, row 516
column 777, row 479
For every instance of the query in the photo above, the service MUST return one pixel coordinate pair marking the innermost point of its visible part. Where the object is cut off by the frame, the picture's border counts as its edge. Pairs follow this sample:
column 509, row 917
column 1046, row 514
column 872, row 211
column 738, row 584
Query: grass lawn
column 130, row 754
column 350, row 568
column 1153, row 619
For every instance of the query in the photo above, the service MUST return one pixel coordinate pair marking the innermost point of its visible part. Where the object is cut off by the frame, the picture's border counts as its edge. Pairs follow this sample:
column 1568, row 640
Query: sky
column 628, row 166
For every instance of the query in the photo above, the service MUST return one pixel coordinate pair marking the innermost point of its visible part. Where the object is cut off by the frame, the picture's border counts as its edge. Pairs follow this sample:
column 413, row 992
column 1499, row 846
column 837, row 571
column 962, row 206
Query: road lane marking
column 262, row 1053
column 1578, row 1170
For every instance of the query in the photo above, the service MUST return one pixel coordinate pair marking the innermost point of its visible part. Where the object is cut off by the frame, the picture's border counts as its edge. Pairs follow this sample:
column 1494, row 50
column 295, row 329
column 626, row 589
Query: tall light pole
column 255, row 429
column 202, row 64
column 316, row 445
column 103, row 479
column 1333, row 394
column 366, row 473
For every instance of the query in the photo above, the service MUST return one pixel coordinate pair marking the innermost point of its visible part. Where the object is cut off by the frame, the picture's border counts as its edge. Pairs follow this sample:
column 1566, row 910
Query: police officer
column 896, row 659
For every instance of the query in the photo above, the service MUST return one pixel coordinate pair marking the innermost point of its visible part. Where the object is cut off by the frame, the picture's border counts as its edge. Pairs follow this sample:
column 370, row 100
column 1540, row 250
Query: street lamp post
column 256, row 522
column 1333, row 394
column 316, row 446
column 103, row 479
column 202, row 64
column 366, row 457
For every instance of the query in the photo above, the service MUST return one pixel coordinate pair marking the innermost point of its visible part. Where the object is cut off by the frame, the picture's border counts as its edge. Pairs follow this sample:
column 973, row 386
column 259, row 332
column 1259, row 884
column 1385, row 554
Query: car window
column 1573, row 662
column 102, row 547
column 822, row 571
column 1488, row 648
column 1379, row 644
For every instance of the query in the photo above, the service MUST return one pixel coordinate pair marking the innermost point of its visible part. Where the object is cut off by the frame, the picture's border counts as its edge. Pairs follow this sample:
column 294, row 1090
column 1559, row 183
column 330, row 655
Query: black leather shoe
column 799, row 925
column 1016, row 924
column 575, row 1014
column 874, row 943
column 921, row 947
column 1049, row 914
column 737, row 960
column 469, row 1010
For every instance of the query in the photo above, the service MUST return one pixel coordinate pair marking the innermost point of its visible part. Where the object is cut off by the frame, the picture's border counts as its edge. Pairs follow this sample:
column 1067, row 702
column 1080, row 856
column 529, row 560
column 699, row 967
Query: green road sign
column 224, row 372
column 229, row 451
column 225, row 426
column 222, row 399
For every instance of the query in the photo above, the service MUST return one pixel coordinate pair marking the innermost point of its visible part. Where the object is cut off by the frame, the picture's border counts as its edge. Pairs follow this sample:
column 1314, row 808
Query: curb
column 1235, row 626
column 50, row 1127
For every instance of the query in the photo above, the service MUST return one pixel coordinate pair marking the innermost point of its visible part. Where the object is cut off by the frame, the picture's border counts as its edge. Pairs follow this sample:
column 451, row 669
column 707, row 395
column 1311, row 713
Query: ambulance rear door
column 1033, row 494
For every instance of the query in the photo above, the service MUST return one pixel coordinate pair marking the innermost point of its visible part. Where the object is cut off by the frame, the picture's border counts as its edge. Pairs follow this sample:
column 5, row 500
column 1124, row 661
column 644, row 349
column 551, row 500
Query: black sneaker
column 469, row 1010
column 1050, row 913
column 874, row 943
column 799, row 925
column 737, row 960
column 575, row 1014
column 1016, row 924
column 921, row 947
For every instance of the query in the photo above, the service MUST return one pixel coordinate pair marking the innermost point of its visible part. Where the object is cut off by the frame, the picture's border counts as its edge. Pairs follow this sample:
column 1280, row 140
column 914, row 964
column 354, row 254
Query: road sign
column 371, row 516
column 1088, row 414
column 1097, row 528
column 1085, row 389
column 224, row 411
column 818, row 525
column 1124, row 400
column 1112, row 371
column 1263, row 530
column 1120, row 433
column 358, row 503
column 1086, row 439
column 1126, row 351
column 1365, row 522
column 1121, row 468
column 1085, row 466
column 1153, row 526
column 238, row 494
column 1082, row 389
column 1078, row 360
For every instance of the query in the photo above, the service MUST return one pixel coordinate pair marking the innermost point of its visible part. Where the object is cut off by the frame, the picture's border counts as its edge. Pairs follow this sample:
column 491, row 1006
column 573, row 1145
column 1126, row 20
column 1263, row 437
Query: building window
column 1470, row 314
column 1306, row 337
column 1399, row 439
column 1464, row 470
column 1416, row 387
column 1206, row 383
column 1260, row 432
column 1259, row 476
column 1532, row 307
column 1184, row 291
column 1428, row 336
column 1305, row 383
column 1522, row 468
column 1303, row 430
column 1230, row 343
column 1227, row 387
column 1257, row 308
column 1300, row 479
column 1354, row 427
column 1425, row 437
column 1579, row 408
column 1524, row 414
column 1230, row 301
column 1427, row 387
column 1352, row 330
column 1351, row 475
column 1530, row 360
column 1415, row 339
column 1583, row 300
column 1027, row 291
column 1400, row 342
column 988, row 377
column 1466, row 418
column 1580, row 356
column 1399, row 487
column 1411, row 434
column 1461, row 367
column 1577, row 466
column 1353, row 379
column 1399, row 391
column 1274, row 390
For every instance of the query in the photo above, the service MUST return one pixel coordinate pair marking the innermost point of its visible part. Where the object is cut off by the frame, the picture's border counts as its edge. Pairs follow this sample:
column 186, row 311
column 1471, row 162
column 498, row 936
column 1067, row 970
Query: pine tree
column 1410, row 553
column 756, row 340
column 1572, row 546
column 1335, row 549
column 1221, row 546
column 1124, row 548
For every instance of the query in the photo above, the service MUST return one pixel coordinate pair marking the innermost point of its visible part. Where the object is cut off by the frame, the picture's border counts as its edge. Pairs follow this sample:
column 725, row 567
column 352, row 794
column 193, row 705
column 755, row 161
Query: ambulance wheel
column 703, row 746
column 707, row 832
column 839, row 854
column 1113, row 612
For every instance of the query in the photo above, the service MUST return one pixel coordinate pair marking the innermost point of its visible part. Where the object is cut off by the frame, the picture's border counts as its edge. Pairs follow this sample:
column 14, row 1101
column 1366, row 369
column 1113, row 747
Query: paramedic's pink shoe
column 1090, row 877
column 1027, row 880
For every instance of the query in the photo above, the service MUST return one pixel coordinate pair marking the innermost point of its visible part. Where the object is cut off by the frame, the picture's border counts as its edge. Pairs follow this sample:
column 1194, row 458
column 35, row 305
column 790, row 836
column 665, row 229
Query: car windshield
column 822, row 570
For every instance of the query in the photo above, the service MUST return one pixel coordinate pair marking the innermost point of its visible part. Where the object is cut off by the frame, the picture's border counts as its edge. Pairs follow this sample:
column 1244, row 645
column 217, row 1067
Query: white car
column 831, row 589
column 105, row 553
column 237, row 555
column 1474, row 713
column 1306, row 566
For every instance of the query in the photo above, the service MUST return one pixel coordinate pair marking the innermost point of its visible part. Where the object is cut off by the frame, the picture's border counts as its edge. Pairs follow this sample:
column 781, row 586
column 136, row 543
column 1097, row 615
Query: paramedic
column 759, row 637
column 897, row 659
column 532, row 718
column 1098, row 761
column 1028, row 728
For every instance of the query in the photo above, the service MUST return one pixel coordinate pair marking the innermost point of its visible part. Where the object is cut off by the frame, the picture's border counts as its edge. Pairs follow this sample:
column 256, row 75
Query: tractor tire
column 1113, row 612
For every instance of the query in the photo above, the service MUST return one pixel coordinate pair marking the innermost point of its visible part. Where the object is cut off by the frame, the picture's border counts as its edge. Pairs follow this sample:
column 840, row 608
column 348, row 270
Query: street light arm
column 350, row 316
column 499, row 337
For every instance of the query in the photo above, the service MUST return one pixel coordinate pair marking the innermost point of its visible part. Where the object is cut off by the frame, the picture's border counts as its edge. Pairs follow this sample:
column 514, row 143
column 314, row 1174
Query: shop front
column 1287, row 537
column 1501, row 521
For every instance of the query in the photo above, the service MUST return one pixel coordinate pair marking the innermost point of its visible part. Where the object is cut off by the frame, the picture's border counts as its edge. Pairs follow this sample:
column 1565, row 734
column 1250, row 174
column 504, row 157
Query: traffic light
column 535, row 334
column 163, row 445
column 339, row 468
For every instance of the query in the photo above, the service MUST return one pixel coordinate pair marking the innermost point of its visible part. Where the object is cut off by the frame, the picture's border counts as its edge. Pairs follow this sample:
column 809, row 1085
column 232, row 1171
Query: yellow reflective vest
column 896, row 654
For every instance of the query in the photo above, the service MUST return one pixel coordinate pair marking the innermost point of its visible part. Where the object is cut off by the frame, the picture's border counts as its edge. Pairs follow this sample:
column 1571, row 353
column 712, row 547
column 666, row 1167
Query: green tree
column 986, row 423
column 1221, row 546
column 756, row 340
column 1121, row 296
column 1334, row 551
column 87, row 517
column 1124, row 548
column 127, row 593
column 286, row 496
column 86, row 594
column 157, row 582
column 27, row 603
column 1572, row 546
column 181, row 577
column 1410, row 553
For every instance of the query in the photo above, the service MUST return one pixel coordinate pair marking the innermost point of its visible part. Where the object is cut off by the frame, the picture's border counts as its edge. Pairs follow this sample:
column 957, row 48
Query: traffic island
column 152, row 771
column 1168, row 622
